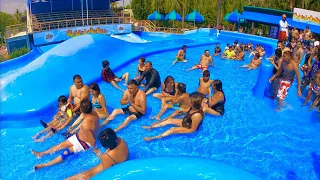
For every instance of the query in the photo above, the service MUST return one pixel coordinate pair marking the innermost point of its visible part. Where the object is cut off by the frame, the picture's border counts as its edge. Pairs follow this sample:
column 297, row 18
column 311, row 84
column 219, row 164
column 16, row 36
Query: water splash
column 130, row 38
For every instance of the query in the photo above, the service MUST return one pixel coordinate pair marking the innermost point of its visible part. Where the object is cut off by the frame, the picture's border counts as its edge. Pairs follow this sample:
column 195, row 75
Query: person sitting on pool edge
column 181, row 56
column 189, row 124
column 116, row 152
column 205, row 60
column 78, row 92
column 204, row 85
column 181, row 102
column 63, row 117
column 152, row 76
column 136, row 99
column 109, row 77
column 216, row 102
column 82, row 141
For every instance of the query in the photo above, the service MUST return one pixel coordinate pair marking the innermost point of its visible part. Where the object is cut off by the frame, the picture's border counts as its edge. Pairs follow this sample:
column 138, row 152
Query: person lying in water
column 63, row 117
column 189, row 124
column 314, row 90
column 99, row 106
column 82, row 141
column 181, row 102
column 181, row 56
column 205, row 60
column 254, row 64
column 137, row 105
column 216, row 102
column 109, row 77
column 116, row 152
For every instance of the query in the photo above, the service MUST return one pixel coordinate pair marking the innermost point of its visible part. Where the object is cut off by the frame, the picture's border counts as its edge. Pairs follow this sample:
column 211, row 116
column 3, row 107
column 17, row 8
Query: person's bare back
column 90, row 124
column 297, row 55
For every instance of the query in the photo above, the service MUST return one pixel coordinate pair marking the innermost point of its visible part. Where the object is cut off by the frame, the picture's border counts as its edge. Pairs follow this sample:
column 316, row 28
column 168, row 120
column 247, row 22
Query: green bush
column 18, row 52
column 2, row 58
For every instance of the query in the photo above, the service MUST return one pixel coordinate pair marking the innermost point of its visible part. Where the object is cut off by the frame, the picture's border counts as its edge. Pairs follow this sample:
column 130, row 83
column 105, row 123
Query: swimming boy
column 137, row 104
column 205, row 60
column 60, row 120
column 78, row 92
column 109, row 77
column 82, row 141
column 289, row 69
column 181, row 56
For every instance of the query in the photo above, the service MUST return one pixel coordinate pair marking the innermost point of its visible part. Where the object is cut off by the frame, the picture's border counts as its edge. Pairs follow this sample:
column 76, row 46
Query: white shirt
column 283, row 25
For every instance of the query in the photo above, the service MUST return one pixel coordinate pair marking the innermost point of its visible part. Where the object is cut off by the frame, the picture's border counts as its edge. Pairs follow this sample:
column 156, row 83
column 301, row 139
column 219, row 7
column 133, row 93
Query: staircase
column 145, row 25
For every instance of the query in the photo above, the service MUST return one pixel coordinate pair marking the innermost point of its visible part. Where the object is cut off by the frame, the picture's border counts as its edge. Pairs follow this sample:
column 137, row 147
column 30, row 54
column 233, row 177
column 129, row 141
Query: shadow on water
column 316, row 164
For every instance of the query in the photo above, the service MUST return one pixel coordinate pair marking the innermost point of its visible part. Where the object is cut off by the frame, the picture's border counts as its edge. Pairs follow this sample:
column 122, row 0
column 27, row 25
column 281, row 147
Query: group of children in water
column 209, row 98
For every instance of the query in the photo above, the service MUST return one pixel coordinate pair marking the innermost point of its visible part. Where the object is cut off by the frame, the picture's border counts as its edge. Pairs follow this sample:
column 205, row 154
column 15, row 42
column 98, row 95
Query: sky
column 10, row 6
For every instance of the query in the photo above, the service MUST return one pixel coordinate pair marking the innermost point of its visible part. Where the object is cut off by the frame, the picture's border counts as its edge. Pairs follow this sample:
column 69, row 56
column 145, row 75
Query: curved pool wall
column 159, row 168
column 19, row 62
column 265, row 70
column 24, row 86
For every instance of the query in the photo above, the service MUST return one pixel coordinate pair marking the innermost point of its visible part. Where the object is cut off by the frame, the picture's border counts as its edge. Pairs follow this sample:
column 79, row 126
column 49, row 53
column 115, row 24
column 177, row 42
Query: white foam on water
column 130, row 38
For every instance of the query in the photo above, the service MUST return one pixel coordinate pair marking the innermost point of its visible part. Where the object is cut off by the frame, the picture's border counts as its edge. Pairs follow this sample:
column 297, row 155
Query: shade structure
column 194, row 16
column 155, row 16
column 173, row 16
column 232, row 17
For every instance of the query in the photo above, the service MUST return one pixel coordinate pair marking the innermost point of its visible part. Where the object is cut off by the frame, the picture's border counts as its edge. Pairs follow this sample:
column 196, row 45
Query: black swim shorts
column 128, row 112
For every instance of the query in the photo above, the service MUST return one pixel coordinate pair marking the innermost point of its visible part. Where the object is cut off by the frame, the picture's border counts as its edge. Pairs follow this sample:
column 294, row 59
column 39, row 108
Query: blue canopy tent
column 173, row 16
column 195, row 17
column 233, row 17
column 155, row 16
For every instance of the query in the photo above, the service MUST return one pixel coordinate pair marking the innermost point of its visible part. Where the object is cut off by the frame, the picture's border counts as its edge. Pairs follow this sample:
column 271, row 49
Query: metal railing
column 15, row 30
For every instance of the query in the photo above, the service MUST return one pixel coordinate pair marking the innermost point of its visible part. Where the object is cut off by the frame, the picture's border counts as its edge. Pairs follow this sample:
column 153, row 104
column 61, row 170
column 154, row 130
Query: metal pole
column 87, row 13
column 122, row 8
column 82, row 11
column 218, row 15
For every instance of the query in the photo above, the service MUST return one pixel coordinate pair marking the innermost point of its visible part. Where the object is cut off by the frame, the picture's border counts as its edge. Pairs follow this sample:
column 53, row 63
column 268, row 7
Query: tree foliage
column 10, row 19
column 209, row 8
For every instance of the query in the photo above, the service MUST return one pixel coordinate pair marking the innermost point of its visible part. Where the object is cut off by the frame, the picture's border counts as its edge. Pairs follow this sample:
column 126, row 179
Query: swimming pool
column 250, row 136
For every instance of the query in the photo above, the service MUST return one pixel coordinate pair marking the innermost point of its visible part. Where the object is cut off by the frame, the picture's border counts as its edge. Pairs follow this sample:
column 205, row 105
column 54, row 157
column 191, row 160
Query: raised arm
column 125, row 98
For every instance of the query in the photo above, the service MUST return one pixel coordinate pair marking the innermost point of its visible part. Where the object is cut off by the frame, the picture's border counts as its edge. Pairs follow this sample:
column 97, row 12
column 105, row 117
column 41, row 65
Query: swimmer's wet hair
column 108, row 138
column 143, row 59
column 196, row 100
column 86, row 106
column 105, row 63
column 278, row 52
column 77, row 76
column 62, row 99
column 182, row 88
column 132, row 81
column 206, row 73
column 149, row 62
column 183, row 46
column 168, row 79
column 94, row 86
column 206, row 50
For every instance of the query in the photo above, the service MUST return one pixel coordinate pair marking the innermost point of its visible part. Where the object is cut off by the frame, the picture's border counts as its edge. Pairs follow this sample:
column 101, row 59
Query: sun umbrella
column 232, row 17
column 173, row 16
column 195, row 17
column 155, row 16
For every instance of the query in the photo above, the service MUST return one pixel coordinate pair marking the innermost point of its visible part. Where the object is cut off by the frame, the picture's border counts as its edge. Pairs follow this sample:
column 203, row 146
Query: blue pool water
column 250, row 136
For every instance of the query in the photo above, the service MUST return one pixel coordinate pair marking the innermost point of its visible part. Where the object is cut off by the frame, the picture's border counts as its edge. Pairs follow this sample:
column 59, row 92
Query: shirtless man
column 152, row 76
column 240, row 56
column 298, row 53
column 254, row 63
column 83, row 140
column 294, row 33
column 136, row 99
column 314, row 90
column 205, row 60
column 307, row 37
column 78, row 92
column 204, row 85
column 181, row 56
column 289, row 69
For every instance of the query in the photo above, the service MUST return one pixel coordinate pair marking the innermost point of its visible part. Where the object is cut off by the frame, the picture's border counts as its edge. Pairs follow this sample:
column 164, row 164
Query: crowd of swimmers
column 92, row 115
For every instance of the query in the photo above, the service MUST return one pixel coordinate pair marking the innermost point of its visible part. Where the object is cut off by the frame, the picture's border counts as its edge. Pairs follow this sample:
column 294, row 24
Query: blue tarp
column 45, row 6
